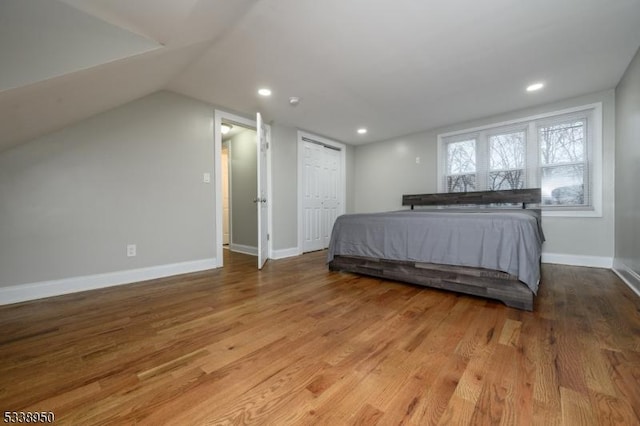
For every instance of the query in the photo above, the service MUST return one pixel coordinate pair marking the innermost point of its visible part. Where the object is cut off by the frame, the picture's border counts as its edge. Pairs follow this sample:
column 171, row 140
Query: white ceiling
column 395, row 67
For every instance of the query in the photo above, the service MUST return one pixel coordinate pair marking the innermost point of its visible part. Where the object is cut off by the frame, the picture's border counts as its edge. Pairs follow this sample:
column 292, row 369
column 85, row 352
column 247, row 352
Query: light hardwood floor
column 297, row 344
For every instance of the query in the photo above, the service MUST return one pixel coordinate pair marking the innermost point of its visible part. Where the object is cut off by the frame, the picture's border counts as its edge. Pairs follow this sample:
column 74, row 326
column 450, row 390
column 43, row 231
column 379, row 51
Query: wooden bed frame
column 474, row 281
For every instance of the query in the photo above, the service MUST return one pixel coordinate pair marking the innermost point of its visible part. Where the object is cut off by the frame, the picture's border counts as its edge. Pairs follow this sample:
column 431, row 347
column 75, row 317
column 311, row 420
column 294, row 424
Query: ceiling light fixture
column 534, row 87
column 225, row 128
column 294, row 100
column 362, row 131
column 264, row 92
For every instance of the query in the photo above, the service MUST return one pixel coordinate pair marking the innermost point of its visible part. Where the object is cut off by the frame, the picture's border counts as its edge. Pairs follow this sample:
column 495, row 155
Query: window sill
column 593, row 212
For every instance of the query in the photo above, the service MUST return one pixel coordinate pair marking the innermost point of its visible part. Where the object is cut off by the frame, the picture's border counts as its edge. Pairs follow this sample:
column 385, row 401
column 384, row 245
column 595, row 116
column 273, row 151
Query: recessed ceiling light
column 535, row 86
column 264, row 92
column 362, row 131
column 225, row 128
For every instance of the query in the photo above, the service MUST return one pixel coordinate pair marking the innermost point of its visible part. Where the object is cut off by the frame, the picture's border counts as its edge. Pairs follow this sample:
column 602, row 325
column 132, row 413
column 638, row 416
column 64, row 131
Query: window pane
column 508, row 179
column 461, row 183
column 562, row 143
column 507, row 151
column 461, row 157
column 563, row 185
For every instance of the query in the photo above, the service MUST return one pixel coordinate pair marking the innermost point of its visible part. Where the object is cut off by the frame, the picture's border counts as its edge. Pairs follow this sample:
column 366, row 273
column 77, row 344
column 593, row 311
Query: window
column 507, row 161
column 564, row 164
column 461, row 166
column 558, row 152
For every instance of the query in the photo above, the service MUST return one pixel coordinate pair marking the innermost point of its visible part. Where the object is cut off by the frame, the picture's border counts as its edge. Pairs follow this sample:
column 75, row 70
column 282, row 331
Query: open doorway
column 253, row 202
column 239, row 188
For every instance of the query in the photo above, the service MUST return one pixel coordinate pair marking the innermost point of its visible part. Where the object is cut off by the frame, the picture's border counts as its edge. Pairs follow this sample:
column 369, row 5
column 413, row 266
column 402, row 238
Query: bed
column 493, row 252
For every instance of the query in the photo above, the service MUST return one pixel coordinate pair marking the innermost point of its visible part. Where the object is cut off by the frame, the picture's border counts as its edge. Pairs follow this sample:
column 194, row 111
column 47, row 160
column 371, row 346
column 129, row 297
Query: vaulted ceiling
column 395, row 67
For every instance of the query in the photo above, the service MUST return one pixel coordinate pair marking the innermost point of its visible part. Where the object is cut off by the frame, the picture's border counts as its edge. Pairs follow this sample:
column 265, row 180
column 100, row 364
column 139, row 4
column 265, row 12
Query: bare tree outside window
column 562, row 157
column 461, row 183
column 507, row 161
column 558, row 152
column 461, row 166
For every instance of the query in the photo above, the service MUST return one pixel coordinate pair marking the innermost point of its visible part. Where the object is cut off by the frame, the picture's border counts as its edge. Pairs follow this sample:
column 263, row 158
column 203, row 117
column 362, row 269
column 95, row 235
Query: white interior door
column 313, row 194
column 261, row 198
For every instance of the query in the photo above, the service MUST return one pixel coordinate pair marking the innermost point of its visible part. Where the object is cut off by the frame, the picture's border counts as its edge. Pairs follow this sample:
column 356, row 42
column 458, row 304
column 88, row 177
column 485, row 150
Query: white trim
column 595, row 126
column 217, row 170
column 578, row 260
column 628, row 275
column 218, row 116
column 595, row 172
column 299, row 147
column 284, row 253
column 269, row 194
column 42, row 289
column 229, row 194
column 242, row 248
column 343, row 173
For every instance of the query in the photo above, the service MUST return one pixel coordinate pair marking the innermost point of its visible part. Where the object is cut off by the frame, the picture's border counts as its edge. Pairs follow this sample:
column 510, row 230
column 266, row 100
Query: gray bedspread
column 503, row 240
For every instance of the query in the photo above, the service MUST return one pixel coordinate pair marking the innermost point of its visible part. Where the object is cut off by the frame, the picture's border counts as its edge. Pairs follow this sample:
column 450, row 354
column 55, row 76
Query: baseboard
column 284, row 253
column 42, row 289
column 578, row 260
column 241, row 248
column 628, row 275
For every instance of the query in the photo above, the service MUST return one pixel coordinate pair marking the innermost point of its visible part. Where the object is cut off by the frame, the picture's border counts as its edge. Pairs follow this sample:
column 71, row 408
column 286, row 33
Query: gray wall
column 284, row 175
column 627, row 247
column 350, row 174
column 386, row 170
column 243, row 166
column 71, row 201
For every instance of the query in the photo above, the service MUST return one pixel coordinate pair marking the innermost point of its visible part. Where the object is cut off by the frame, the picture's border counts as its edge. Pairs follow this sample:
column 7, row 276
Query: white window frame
column 593, row 112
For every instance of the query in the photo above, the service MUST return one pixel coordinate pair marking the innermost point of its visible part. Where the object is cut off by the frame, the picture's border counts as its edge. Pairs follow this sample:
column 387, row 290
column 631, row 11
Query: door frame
column 228, row 189
column 263, row 137
column 343, row 180
column 218, row 116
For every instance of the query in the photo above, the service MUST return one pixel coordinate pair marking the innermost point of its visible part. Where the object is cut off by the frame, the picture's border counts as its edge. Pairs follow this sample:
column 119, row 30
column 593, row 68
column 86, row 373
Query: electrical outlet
column 131, row 250
column 417, row 160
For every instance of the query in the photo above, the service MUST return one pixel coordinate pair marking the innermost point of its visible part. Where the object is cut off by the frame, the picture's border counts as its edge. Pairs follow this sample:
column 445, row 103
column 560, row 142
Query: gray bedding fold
column 499, row 239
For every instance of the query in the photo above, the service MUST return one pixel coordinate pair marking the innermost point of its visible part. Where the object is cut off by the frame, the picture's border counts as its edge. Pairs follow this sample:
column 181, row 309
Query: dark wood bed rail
column 524, row 196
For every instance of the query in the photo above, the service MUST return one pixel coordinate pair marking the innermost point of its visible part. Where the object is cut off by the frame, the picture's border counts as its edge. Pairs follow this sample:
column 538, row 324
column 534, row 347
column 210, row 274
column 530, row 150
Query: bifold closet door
column 321, row 195
column 331, row 196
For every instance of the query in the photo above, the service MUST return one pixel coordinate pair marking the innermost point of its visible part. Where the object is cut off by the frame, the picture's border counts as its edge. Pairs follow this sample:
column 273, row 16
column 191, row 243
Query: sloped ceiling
column 83, row 57
column 394, row 67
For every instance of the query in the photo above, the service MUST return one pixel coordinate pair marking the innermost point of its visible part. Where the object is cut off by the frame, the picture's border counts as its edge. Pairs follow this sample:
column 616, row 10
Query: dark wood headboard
column 524, row 196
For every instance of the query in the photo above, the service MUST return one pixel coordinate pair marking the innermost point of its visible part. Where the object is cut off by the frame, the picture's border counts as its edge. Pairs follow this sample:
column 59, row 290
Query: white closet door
column 312, row 196
column 331, row 198
column 321, row 180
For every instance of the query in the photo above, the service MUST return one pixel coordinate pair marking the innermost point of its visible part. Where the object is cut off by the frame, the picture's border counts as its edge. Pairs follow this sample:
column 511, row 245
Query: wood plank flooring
column 297, row 344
